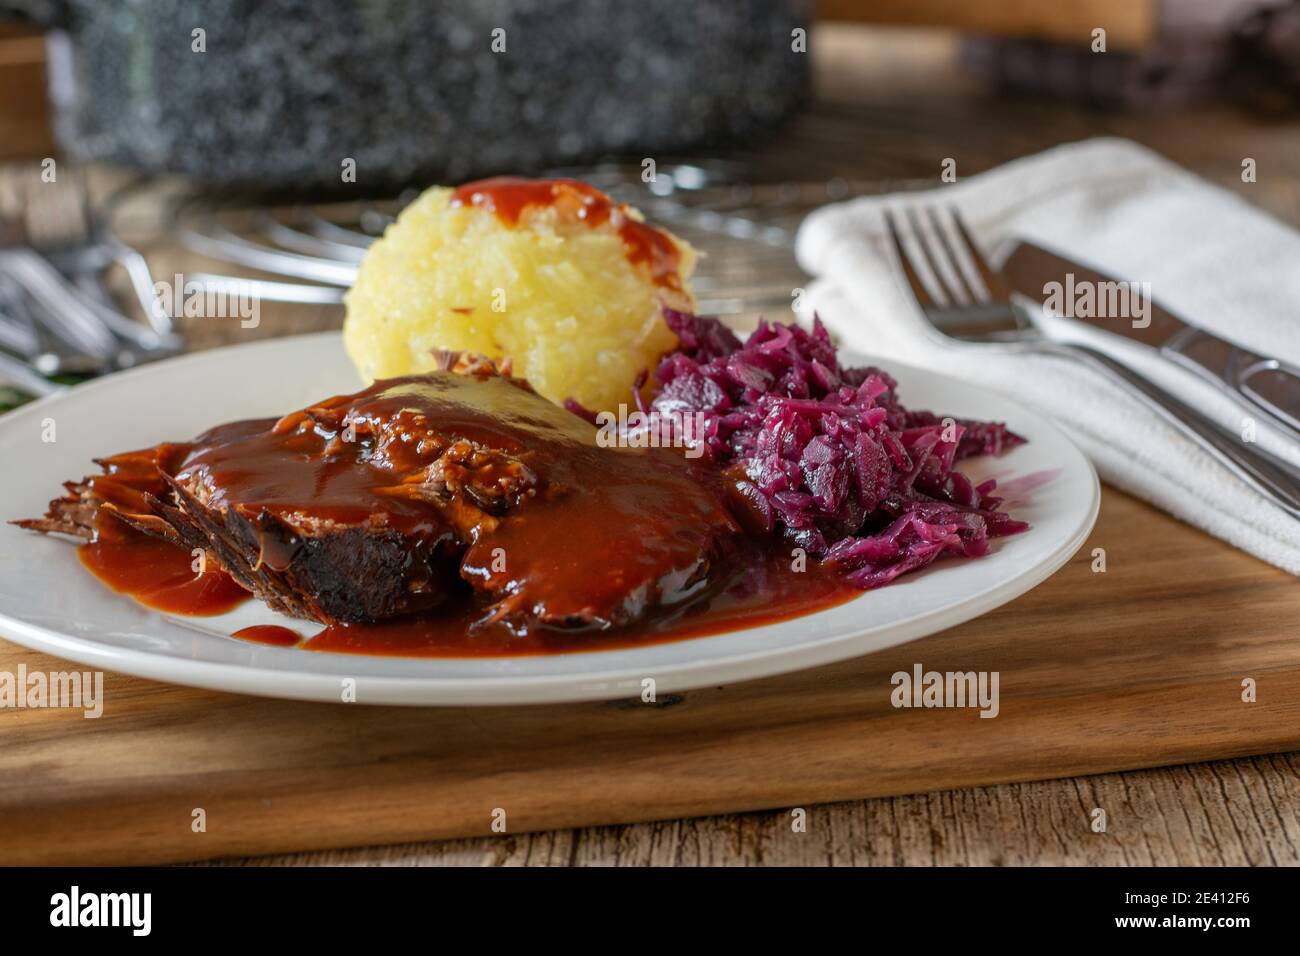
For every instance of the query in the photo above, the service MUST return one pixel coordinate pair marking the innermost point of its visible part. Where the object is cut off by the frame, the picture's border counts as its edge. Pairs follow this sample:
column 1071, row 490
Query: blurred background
column 266, row 143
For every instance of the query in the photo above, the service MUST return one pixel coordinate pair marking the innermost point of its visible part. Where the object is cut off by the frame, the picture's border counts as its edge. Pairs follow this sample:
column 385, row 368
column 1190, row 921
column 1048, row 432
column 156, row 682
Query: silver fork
column 962, row 309
column 52, row 252
column 34, row 302
column 73, row 234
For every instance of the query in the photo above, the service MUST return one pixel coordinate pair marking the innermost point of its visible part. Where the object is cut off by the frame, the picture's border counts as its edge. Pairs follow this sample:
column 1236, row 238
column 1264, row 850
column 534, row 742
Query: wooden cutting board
column 1139, row 666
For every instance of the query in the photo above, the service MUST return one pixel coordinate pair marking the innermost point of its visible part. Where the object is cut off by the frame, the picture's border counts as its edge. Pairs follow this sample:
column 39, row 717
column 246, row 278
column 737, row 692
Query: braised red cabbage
column 828, row 456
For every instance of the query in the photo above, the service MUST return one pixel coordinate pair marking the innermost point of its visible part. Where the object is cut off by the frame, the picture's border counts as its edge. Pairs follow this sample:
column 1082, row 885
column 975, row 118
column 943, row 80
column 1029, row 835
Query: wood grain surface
column 1226, row 813
column 1099, row 671
column 1141, row 665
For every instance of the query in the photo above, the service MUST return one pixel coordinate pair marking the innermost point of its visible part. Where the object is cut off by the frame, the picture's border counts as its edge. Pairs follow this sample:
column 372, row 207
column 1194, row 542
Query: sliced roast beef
column 365, row 507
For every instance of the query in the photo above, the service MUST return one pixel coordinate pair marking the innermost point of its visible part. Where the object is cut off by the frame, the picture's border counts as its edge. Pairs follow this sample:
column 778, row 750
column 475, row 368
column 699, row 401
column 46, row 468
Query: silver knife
column 1267, row 385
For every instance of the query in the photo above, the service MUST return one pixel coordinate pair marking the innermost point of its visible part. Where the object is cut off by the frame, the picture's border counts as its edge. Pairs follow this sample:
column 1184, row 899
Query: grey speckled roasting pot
column 289, row 89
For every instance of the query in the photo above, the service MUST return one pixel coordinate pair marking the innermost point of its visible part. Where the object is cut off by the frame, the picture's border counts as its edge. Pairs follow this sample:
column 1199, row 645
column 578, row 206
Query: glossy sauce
column 761, row 589
column 573, row 201
column 157, row 573
column 272, row 634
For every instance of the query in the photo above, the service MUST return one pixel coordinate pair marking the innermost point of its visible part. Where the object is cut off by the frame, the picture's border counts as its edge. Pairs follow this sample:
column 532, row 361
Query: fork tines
column 947, row 270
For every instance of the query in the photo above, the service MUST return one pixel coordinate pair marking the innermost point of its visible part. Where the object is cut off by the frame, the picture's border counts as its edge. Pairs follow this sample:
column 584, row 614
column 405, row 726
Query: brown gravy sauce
column 761, row 589
column 509, row 196
column 157, row 573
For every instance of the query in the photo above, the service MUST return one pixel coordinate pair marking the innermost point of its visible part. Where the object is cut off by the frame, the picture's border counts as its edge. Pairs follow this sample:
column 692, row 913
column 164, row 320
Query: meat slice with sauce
column 370, row 506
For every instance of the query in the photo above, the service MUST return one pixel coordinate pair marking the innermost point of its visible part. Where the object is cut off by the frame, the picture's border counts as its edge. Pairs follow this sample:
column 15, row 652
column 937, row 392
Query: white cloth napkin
column 1210, row 257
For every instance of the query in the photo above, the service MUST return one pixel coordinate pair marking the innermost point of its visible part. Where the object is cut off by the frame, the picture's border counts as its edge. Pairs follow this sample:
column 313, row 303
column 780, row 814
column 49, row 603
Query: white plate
column 49, row 602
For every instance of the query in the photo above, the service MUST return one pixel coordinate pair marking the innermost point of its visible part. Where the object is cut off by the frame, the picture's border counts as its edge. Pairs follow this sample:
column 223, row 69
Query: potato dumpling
column 551, row 274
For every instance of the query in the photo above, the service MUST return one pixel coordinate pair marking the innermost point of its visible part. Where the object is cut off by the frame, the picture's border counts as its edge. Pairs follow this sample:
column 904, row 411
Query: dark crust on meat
column 352, row 574
column 349, row 574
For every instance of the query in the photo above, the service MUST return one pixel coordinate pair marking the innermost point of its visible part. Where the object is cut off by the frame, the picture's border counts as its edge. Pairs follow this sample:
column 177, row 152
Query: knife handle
column 1270, row 385
column 1276, row 479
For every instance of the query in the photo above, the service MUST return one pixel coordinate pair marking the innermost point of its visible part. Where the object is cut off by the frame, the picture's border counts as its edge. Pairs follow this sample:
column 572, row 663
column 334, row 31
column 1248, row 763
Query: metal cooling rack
column 309, row 253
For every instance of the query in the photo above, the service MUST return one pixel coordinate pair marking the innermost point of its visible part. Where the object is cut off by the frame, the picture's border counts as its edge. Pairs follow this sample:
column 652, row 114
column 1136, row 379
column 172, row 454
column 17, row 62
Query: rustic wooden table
column 895, row 106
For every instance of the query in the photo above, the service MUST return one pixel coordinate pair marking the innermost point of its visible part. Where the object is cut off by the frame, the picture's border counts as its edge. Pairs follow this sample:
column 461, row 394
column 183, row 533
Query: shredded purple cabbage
column 827, row 455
